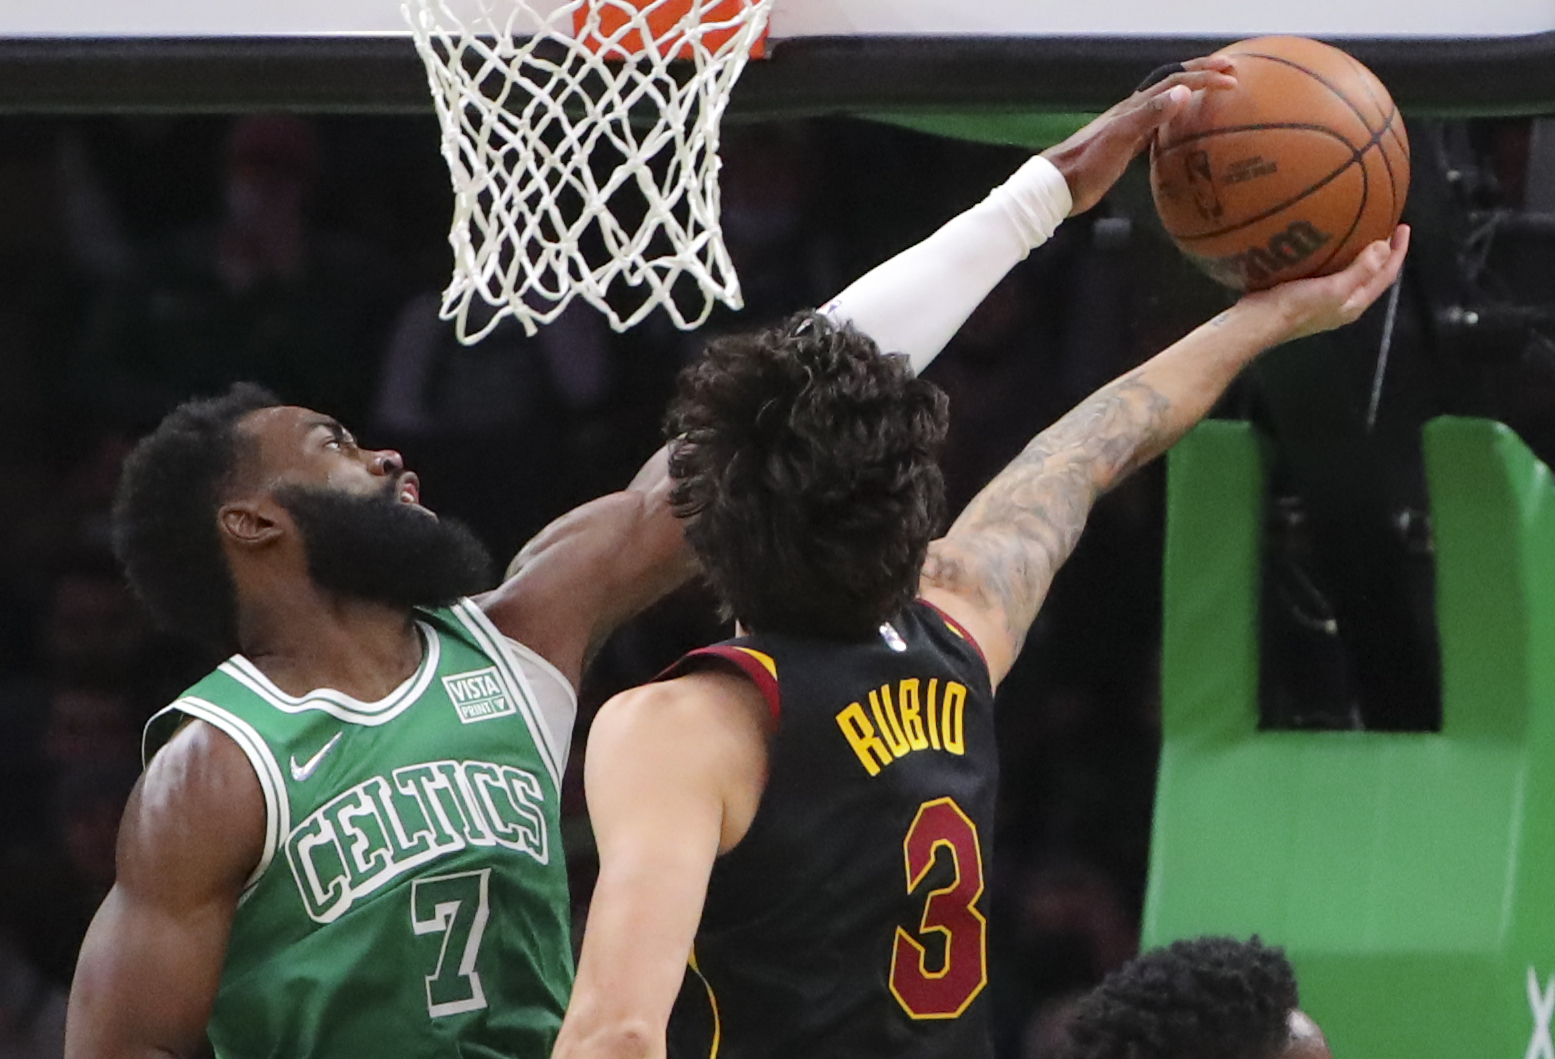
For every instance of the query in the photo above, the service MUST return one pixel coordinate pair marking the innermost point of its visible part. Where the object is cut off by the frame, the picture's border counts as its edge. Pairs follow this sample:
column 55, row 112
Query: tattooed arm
column 991, row 572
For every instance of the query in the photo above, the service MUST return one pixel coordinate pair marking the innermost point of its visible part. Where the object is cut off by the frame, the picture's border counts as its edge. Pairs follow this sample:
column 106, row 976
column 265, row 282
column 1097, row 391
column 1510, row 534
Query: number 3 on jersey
column 950, row 910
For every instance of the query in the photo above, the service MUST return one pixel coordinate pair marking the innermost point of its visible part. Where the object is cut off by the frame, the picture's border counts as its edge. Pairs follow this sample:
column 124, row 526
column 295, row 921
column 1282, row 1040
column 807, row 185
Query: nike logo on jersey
column 303, row 771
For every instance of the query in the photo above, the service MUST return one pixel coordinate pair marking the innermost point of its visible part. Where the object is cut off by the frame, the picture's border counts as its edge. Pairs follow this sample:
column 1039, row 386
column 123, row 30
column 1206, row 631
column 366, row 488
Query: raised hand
column 1093, row 158
column 1326, row 302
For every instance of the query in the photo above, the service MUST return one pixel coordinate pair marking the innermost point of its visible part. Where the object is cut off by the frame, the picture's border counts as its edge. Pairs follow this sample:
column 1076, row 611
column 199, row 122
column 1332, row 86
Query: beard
column 377, row 549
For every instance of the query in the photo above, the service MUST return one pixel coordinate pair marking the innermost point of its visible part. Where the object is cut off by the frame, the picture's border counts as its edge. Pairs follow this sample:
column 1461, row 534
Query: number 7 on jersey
column 457, row 907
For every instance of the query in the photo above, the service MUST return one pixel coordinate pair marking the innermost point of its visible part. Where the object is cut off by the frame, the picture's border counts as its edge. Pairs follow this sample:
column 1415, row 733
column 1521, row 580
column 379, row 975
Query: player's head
column 1204, row 998
column 234, row 483
column 808, row 460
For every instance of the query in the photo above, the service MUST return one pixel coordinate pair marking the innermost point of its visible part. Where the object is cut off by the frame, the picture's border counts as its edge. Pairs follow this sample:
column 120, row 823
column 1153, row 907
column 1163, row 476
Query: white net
column 582, row 143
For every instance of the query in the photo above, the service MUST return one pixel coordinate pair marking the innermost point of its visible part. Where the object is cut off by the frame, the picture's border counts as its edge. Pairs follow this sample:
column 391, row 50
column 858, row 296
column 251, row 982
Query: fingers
column 1159, row 74
column 1157, row 104
column 1222, row 63
column 1167, row 104
column 1208, row 71
column 1158, row 98
column 1148, row 110
column 1376, row 269
column 1204, row 63
column 1194, row 80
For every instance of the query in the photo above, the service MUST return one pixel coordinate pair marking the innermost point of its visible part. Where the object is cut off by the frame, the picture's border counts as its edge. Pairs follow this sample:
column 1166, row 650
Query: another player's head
column 240, row 493
column 1204, row 998
column 808, row 461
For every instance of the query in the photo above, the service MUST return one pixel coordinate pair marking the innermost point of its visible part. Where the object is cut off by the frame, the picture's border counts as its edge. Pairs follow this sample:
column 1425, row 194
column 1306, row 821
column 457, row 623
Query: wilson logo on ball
column 1255, row 266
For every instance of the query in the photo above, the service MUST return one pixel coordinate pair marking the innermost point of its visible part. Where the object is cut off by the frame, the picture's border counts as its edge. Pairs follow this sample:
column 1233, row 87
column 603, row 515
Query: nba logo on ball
column 1292, row 173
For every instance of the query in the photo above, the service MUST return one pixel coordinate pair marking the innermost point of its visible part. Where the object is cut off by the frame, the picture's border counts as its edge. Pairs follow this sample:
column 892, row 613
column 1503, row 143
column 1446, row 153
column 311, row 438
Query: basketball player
column 1204, row 998
column 818, row 793
column 346, row 839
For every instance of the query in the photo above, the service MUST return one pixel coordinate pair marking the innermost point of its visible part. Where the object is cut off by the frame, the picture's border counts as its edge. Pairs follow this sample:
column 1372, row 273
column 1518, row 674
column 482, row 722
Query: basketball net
column 582, row 142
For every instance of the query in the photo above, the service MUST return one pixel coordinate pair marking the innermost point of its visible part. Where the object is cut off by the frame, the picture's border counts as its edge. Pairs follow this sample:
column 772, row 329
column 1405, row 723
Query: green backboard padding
column 1033, row 130
column 1411, row 876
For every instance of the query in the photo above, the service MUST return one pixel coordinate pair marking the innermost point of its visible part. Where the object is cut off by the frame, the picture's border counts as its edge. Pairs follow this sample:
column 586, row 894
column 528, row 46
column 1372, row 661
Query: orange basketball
column 1289, row 174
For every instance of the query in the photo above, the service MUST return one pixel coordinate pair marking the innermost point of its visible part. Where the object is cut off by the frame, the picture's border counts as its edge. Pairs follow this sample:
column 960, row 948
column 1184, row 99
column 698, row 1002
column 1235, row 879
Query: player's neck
column 307, row 640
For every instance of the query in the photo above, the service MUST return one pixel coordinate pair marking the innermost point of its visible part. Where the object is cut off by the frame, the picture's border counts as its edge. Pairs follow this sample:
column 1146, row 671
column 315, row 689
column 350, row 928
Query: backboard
column 1437, row 56
column 834, row 18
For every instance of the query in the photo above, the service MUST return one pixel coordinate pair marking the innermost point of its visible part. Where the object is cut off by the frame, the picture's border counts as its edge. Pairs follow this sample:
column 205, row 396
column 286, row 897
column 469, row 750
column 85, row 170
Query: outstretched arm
column 601, row 563
column 592, row 569
column 992, row 570
column 915, row 302
column 150, row 966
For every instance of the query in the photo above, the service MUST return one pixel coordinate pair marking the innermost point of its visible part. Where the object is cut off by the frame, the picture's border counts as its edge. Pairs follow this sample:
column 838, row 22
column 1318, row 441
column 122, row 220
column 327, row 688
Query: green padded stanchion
column 1411, row 876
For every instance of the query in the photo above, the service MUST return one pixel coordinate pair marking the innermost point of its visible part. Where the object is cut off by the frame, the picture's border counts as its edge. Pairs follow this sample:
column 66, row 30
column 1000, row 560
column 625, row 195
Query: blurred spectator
column 83, row 701
column 32, row 1008
column 93, row 630
column 1073, row 906
column 1047, row 1031
column 66, row 519
column 89, row 726
column 268, row 293
column 51, row 729
column 493, row 428
column 786, row 261
column 41, row 289
column 90, row 800
column 61, row 883
column 999, row 372
column 1067, row 924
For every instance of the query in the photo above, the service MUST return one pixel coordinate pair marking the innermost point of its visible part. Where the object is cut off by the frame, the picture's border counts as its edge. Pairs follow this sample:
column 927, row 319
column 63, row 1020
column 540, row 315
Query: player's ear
column 248, row 523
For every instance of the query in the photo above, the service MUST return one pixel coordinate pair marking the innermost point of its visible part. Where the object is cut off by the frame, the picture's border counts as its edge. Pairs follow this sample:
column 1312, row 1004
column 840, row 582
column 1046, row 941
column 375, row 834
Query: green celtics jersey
column 412, row 896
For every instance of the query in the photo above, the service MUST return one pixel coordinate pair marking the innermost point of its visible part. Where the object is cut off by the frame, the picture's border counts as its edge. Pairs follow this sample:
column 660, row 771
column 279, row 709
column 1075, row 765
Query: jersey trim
column 338, row 704
column 756, row 665
column 558, row 728
column 271, row 782
column 956, row 627
column 712, row 1003
column 491, row 641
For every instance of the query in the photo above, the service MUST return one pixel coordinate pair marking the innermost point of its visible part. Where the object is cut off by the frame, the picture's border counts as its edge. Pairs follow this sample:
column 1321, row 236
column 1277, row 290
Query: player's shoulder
column 466, row 622
column 691, row 704
column 945, row 626
column 963, row 625
column 198, row 790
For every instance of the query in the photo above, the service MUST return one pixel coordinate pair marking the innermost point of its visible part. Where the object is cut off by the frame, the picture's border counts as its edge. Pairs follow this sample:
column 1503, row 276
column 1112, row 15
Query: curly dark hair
column 1204, row 998
column 164, row 515
column 807, row 462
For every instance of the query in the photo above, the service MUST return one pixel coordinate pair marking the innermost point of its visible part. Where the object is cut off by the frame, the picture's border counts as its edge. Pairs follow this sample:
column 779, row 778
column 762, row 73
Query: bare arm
column 993, row 569
column 674, row 773
column 593, row 568
column 151, row 964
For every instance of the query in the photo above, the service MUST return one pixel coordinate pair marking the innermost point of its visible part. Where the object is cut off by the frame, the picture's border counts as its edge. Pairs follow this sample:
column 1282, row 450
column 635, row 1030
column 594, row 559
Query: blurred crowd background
column 146, row 259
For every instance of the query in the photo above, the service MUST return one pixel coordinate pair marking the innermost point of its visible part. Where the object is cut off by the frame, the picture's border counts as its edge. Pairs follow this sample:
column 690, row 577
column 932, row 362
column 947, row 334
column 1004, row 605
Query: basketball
column 1290, row 174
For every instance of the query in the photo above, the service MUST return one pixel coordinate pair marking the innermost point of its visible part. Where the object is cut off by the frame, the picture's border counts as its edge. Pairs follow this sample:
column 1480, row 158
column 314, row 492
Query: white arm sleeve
column 915, row 302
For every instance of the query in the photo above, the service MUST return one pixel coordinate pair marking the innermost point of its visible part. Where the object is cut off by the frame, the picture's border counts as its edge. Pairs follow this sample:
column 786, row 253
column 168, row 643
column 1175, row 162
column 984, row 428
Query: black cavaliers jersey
column 850, row 921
